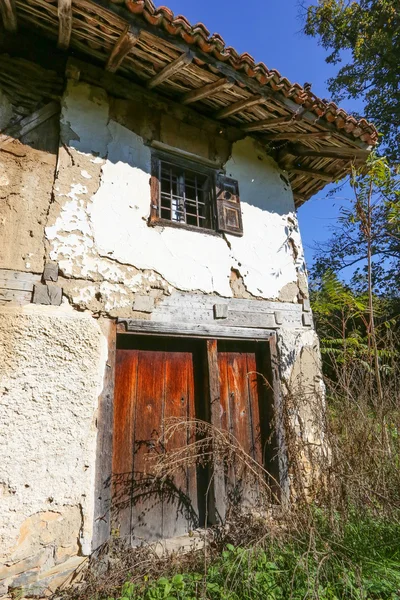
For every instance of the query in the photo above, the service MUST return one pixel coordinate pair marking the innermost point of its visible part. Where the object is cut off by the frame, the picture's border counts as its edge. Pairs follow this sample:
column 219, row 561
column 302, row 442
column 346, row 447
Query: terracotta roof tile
column 214, row 44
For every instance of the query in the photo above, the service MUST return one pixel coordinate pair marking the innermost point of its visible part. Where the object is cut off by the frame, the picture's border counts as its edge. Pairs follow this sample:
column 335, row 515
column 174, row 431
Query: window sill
column 166, row 223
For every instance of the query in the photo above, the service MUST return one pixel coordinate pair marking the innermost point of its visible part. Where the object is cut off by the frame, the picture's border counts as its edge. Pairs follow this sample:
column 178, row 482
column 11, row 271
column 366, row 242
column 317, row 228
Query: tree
column 367, row 237
column 370, row 31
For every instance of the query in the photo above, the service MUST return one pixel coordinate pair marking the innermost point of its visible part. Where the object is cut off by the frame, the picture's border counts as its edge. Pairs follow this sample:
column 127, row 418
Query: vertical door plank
column 255, row 428
column 218, row 420
column 123, row 440
column 178, row 511
column 104, row 450
column 146, row 521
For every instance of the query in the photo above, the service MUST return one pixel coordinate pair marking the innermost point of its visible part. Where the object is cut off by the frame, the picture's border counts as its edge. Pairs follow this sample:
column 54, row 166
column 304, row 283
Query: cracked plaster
column 98, row 231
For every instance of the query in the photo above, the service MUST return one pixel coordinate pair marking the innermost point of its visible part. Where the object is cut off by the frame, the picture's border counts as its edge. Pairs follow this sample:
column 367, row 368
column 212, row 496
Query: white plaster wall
column 52, row 364
column 111, row 223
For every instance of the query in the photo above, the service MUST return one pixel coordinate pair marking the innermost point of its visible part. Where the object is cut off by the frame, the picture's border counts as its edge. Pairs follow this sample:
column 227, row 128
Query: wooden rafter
column 127, row 40
column 207, row 90
column 64, row 23
column 170, row 70
column 232, row 109
column 8, row 14
column 298, row 136
column 313, row 172
column 328, row 152
column 267, row 124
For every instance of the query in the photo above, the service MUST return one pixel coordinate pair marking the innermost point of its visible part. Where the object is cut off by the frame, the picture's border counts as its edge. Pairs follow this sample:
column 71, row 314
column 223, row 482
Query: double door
column 162, row 387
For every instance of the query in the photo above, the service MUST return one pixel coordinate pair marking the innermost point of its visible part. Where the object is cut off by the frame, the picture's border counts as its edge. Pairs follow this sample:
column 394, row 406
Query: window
column 190, row 195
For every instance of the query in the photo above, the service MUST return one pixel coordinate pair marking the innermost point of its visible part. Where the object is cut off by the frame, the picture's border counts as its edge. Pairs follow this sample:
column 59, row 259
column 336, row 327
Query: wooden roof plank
column 266, row 124
column 127, row 40
column 64, row 10
column 313, row 172
column 9, row 15
column 339, row 152
column 207, row 90
column 170, row 69
column 232, row 109
column 297, row 136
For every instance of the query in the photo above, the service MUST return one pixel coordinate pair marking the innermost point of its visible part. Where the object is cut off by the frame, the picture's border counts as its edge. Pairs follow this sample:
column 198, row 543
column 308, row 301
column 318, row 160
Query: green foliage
column 349, row 245
column 370, row 31
column 356, row 559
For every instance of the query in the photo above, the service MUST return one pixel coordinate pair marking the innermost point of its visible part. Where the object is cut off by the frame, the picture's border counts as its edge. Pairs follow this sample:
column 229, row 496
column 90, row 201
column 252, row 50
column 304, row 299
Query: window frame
column 157, row 157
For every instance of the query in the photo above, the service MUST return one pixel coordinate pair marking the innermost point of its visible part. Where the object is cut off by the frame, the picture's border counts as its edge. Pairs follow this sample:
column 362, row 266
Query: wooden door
column 155, row 381
column 246, row 412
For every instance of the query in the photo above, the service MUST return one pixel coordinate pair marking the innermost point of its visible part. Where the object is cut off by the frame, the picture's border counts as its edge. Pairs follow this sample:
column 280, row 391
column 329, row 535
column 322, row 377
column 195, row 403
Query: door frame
column 105, row 415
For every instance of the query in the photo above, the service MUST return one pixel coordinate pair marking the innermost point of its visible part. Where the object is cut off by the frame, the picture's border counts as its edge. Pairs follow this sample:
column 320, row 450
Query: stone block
column 307, row 320
column 144, row 304
column 278, row 317
column 220, row 311
column 306, row 305
column 47, row 294
column 50, row 272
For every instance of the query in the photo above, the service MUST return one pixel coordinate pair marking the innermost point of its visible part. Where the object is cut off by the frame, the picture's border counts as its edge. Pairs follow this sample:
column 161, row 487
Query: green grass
column 358, row 559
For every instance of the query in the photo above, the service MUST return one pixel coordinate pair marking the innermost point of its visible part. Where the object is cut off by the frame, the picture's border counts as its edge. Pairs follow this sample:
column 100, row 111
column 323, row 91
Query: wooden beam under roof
column 224, row 68
column 64, row 9
column 127, row 40
column 232, row 109
column 170, row 69
column 207, row 90
column 341, row 153
column 266, row 124
column 313, row 172
column 298, row 136
column 9, row 15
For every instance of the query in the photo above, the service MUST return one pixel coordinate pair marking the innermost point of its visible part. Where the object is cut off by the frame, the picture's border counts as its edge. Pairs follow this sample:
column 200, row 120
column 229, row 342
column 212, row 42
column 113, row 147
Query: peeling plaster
column 102, row 216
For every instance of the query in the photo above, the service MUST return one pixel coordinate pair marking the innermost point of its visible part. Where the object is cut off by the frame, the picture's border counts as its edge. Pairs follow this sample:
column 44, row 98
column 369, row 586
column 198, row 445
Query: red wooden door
column 241, row 398
column 154, row 383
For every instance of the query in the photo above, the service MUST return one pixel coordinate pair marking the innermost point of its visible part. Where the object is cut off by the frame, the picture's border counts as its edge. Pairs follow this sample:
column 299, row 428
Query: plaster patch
column 102, row 222
column 53, row 362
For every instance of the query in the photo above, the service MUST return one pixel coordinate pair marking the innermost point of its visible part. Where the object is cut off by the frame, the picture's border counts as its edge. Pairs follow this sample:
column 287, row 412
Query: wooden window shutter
column 229, row 214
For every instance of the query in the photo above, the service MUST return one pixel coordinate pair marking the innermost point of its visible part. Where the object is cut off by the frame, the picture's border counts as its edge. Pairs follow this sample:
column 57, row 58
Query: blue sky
column 270, row 30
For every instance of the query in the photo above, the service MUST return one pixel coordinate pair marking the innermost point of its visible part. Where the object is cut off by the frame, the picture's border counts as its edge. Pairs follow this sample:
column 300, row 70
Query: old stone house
column 151, row 267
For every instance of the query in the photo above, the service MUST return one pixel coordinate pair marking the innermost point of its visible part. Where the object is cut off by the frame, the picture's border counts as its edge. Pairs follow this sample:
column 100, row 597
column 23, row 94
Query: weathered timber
column 279, row 420
column 194, row 330
column 184, row 154
column 50, row 271
column 294, row 135
column 105, row 416
column 195, row 309
column 47, row 294
column 9, row 15
column 64, row 10
column 223, row 67
column 207, row 90
column 184, row 300
column 232, row 109
column 121, row 87
column 29, row 123
column 170, row 70
column 338, row 152
column 127, row 40
column 266, row 124
column 313, row 172
column 214, row 393
column 18, row 280
column 15, row 296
